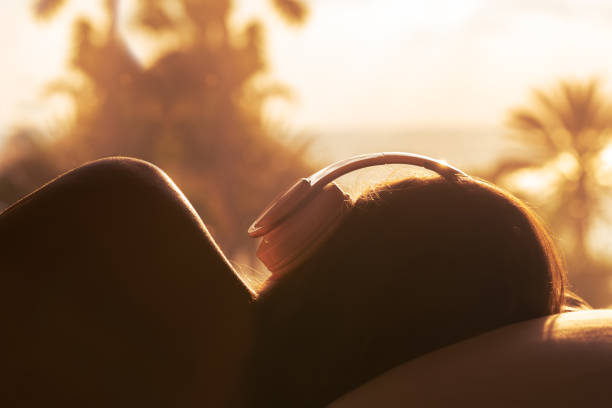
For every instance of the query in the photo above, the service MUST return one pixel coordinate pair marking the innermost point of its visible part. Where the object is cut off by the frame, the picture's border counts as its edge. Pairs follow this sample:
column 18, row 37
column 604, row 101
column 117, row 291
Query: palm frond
column 579, row 102
column 545, row 101
column 523, row 119
column 531, row 128
column 152, row 16
column 294, row 11
column 46, row 9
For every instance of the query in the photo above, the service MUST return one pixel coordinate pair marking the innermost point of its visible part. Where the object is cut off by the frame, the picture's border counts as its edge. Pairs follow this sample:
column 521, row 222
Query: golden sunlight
column 603, row 169
column 438, row 78
column 541, row 183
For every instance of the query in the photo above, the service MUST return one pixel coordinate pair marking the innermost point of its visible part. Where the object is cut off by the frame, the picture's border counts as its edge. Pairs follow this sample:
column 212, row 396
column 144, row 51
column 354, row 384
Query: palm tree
column 566, row 130
column 294, row 11
column 195, row 111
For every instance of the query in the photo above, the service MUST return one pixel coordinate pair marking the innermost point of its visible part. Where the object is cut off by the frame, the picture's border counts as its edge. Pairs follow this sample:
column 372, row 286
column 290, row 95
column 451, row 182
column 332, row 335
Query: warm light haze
column 381, row 74
column 306, row 203
column 516, row 92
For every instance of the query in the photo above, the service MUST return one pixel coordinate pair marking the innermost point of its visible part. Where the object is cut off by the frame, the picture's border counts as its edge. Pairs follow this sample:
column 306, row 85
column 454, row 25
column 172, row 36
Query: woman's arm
column 560, row 360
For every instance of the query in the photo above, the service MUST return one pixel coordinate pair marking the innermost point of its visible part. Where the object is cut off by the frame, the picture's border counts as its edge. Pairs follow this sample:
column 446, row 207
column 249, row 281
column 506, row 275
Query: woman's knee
column 94, row 184
column 109, row 203
column 119, row 177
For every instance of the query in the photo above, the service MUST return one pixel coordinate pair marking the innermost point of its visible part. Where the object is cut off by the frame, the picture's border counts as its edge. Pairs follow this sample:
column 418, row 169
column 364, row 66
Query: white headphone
column 295, row 224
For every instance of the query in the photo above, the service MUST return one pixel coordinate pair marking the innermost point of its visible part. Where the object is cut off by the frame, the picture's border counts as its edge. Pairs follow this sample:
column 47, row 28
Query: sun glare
column 543, row 181
column 534, row 181
column 603, row 169
column 567, row 165
column 437, row 14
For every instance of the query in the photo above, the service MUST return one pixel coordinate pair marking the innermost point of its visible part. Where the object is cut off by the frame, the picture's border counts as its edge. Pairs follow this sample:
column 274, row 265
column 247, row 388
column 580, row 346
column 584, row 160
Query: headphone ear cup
column 302, row 232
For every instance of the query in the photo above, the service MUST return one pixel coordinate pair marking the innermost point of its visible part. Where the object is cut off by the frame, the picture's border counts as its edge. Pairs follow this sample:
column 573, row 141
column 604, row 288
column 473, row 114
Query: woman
column 114, row 294
column 111, row 282
column 415, row 265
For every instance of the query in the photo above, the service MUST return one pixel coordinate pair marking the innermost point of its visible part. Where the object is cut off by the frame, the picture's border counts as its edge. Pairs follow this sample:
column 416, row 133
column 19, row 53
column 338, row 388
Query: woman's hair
column 415, row 265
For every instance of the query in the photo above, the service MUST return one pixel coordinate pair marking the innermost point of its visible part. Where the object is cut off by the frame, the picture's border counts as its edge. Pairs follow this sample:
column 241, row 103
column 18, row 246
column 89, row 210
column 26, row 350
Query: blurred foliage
column 566, row 132
column 195, row 111
column 44, row 9
column 294, row 11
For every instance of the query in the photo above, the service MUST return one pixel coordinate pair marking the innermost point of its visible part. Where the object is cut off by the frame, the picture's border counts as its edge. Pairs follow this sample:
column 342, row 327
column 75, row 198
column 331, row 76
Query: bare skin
column 114, row 294
column 562, row 360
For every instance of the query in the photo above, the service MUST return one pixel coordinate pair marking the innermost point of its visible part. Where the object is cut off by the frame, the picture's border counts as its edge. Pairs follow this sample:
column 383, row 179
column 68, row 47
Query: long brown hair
column 417, row 265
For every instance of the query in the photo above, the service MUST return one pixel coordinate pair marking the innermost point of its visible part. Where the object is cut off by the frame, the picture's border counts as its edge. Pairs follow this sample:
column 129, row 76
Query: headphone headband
column 288, row 240
column 305, row 188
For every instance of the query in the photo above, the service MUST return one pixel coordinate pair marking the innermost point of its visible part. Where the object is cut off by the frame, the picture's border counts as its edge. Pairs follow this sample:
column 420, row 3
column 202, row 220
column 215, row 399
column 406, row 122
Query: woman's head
column 415, row 265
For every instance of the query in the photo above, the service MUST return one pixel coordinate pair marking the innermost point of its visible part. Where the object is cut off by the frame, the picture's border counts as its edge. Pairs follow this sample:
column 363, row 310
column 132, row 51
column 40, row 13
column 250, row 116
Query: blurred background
column 235, row 100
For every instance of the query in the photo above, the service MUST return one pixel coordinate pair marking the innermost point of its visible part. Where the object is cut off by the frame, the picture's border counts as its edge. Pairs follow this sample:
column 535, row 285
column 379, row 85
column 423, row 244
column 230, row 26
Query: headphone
column 298, row 221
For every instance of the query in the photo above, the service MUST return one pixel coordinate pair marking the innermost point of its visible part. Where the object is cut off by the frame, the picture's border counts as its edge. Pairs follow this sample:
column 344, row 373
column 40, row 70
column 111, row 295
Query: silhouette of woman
column 114, row 293
column 408, row 268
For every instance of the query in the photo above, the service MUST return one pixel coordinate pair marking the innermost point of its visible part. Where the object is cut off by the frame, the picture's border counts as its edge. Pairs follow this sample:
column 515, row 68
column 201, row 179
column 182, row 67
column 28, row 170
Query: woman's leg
column 114, row 294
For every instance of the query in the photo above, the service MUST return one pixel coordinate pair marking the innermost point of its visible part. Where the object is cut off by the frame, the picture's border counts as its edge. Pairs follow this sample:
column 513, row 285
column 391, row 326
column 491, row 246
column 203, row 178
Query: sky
column 434, row 77
column 437, row 77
